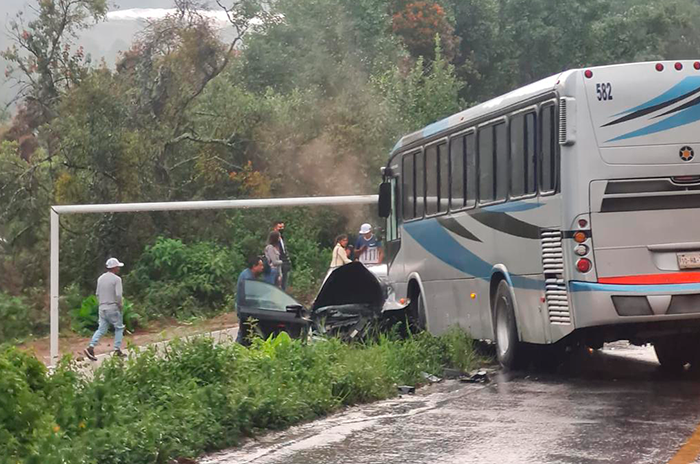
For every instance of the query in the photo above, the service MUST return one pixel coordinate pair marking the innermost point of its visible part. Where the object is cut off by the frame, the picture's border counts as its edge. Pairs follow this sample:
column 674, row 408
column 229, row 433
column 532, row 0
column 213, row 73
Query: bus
column 565, row 212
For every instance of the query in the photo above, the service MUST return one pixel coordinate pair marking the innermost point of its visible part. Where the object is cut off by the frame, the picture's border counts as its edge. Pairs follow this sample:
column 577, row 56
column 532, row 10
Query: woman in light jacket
column 340, row 253
column 272, row 254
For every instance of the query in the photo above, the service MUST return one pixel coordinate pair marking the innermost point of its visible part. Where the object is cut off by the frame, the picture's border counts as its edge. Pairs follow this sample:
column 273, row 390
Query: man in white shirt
column 109, row 294
column 368, row 248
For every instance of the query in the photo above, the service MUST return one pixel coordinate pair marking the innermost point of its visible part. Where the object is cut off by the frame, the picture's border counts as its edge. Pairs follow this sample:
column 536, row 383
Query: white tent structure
column 56, row 211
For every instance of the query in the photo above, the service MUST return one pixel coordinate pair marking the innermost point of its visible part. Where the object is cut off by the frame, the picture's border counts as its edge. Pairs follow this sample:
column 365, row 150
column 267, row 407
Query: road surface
column 609, row 406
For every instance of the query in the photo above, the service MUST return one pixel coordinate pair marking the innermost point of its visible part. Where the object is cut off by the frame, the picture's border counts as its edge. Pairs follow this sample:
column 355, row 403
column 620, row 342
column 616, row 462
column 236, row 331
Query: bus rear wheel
column 510, row 351
column 675, row 352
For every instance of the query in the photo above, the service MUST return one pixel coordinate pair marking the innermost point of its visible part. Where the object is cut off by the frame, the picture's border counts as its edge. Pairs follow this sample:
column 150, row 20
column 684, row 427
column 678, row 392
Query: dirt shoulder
column 156, row 331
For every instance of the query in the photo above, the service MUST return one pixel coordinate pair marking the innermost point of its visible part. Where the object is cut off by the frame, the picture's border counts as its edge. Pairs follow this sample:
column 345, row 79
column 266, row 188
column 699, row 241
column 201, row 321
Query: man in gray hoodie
column 109, row 295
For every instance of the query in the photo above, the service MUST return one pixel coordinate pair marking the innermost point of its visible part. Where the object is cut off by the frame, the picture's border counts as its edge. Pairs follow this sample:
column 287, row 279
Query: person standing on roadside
column 111, row 302
column 273, row 256
column 252, row 272
column 286, row 268
column 340, row 252
column 368, row 249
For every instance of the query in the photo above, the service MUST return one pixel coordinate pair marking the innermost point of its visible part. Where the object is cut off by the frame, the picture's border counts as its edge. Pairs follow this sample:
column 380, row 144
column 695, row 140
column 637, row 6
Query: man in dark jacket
column 286, row 269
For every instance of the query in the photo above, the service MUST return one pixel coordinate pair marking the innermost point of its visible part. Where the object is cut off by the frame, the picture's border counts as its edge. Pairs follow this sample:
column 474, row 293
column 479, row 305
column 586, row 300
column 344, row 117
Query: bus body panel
column 638, row 111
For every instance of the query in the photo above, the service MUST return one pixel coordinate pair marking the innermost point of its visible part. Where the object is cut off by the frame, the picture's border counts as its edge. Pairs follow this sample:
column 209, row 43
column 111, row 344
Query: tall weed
column 197, row 396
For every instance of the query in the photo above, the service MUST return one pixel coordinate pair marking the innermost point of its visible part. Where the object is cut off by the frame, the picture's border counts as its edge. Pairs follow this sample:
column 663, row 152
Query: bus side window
column 408, row 193
column 471, row 168
column 458, row 199
column 486, row 177
column 444, row 178
column 522, row 155
column 392, row 222
column 431, row 180
column 530, row 153
column 549, row 164
column 501, row 161
column 420, row 183
column 518, row 159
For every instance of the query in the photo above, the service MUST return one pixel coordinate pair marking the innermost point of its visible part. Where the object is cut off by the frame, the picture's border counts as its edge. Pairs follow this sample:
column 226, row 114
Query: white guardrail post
column 54, row 287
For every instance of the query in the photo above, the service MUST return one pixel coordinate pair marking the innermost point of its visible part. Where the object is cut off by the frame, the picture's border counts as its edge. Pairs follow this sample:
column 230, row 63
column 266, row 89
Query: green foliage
column 179, row 280
column 423, row 95
column 15, row 320
column 196, row 396
column 86, row 318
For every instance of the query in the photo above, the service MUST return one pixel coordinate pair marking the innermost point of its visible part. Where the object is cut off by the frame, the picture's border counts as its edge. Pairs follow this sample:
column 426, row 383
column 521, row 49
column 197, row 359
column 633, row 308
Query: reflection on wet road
column 612, row 406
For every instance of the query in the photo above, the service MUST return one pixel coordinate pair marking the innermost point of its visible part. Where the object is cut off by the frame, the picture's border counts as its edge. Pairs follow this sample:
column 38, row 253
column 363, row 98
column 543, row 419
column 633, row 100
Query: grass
column 198, row 396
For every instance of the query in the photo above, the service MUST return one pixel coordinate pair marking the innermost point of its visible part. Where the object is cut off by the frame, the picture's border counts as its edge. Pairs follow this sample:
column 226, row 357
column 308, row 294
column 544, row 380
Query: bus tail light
column 588, row 73
column 581, row 250
column 580, row 237
column 582, row 223
column 584, row 265
column 685, row 179
column 696, row 65
column 659, row 67
column 678, row 66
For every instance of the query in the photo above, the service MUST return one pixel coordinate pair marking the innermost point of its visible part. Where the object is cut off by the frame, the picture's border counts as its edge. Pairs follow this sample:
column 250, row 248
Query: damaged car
column 352, row 301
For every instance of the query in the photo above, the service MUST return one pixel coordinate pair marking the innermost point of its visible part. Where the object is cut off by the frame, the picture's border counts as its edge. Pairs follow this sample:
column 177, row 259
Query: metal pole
column 54, row 287
column 217, row 204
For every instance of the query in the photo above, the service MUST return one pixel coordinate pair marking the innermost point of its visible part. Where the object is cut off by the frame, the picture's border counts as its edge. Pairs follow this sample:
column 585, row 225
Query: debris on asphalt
column 406, row 389
column 476, row 377
column 431, row 378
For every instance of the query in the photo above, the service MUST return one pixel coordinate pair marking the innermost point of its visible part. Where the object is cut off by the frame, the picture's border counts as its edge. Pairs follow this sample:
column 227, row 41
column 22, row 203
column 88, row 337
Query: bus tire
column 417, row 318
column 673, row 353
column 510, row 351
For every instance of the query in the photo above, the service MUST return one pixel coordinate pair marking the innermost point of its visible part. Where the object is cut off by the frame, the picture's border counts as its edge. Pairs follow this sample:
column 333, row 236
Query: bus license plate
column 689, row 260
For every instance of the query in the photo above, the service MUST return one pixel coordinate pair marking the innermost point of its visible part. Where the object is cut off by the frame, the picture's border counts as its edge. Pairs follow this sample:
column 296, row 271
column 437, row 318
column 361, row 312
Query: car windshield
column 265, row 296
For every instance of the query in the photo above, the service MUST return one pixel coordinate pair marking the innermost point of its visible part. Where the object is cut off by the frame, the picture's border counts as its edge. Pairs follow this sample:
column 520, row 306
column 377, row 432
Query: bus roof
column 511, row 98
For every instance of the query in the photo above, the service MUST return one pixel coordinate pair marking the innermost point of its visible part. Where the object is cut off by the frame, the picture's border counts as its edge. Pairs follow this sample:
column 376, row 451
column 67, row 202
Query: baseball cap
column 365, row 228
column 113, row 262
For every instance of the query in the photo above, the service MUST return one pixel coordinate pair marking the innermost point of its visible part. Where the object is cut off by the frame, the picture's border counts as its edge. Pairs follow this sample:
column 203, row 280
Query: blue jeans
column 110, row 316
column 272, row 277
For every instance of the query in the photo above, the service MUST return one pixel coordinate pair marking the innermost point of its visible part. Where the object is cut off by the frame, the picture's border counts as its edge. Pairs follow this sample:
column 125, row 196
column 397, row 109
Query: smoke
column 323, row 168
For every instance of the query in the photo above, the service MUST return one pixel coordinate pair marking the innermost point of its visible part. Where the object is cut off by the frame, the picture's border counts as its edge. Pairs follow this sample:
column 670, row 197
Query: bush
column 86, row 318
column 179, row 280
column 15, row 318
column 196, row 396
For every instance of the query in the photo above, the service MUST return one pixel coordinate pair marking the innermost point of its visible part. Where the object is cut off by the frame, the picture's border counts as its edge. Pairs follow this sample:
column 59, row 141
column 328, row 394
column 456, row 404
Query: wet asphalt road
column 611, row 406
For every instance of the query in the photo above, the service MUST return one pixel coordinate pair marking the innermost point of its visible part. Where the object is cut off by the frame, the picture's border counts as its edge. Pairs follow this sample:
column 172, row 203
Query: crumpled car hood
column 351, row 284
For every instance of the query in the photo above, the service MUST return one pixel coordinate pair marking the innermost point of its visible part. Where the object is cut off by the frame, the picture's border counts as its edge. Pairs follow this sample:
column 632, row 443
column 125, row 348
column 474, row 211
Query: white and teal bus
column 564, row 212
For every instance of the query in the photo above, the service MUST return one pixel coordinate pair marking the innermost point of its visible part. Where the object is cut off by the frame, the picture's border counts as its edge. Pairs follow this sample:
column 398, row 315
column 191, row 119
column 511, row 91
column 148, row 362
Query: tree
column 417, row 23
column 422, row 96
column 43, row 59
